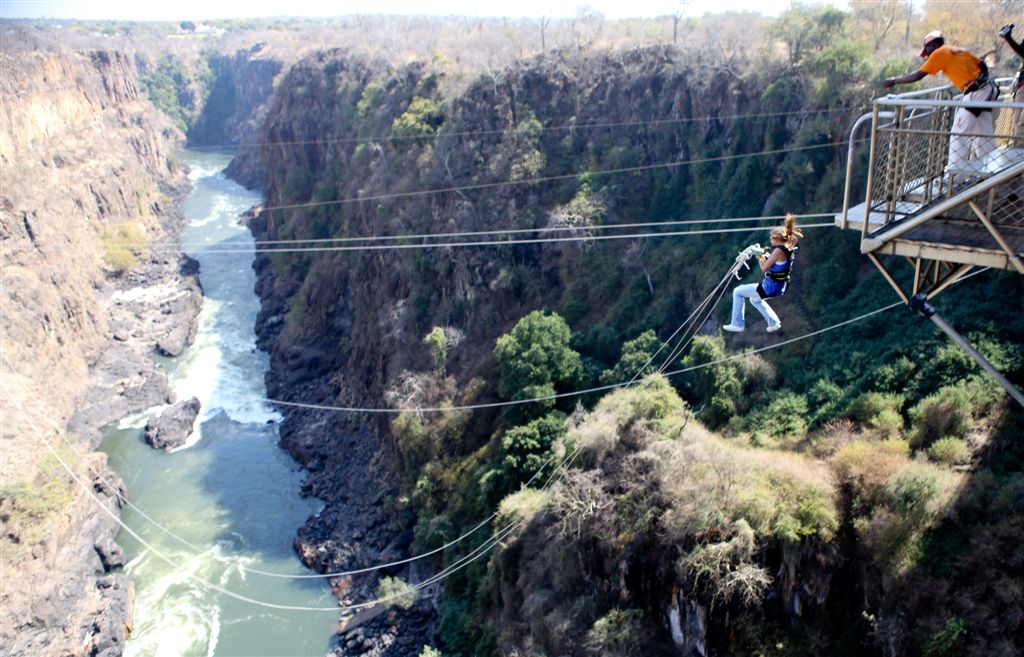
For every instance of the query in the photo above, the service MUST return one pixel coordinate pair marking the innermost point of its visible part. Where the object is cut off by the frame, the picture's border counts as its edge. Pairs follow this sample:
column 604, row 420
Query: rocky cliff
column 89, row 181
column 234, row 108
column 662, row 539
column 347, row 137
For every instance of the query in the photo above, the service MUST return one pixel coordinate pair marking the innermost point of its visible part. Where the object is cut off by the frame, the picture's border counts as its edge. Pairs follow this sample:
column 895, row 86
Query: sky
column 197, row 10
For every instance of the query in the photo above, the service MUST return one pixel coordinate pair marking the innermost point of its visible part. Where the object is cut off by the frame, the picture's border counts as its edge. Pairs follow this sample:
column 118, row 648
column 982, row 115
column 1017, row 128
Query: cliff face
column 234, row 109
column 347, row 328
column 87, row 171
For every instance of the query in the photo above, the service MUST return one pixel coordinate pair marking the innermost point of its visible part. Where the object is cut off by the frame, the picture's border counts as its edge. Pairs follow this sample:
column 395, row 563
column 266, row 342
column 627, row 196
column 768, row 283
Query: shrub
column 394, row 591
column 879, row 411
column 429, row 651
column 950, row 640
column 634, row 360
column 947, row 413
column 438, row 344
column 868, row 465
column 123, row 245
column 522, row 505
column 950, row 451
column 420, row 120
column 528, row 446
column 619, row 633
column 717, row 386
column 784, row 416
column 914, row 490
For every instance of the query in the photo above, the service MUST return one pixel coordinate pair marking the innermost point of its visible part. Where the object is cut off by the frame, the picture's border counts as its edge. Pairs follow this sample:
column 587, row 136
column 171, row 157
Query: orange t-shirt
column 959, row 65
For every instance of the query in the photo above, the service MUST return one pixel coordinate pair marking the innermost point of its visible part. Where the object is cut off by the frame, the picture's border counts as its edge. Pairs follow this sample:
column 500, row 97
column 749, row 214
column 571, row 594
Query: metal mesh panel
column 925, row 154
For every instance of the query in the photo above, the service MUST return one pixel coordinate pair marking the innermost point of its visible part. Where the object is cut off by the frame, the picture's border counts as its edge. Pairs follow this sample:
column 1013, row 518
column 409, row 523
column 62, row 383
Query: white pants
column 971, row 137
column 749, row 291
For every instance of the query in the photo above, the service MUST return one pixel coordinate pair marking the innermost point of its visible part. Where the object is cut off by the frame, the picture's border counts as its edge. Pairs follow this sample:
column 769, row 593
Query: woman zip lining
column 777, row 266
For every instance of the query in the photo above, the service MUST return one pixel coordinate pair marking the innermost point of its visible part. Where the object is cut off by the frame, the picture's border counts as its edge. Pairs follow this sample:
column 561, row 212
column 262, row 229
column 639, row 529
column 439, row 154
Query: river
column 231, row 493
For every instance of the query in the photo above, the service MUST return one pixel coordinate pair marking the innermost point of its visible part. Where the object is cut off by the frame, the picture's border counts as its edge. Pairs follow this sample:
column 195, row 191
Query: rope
column 503, row 131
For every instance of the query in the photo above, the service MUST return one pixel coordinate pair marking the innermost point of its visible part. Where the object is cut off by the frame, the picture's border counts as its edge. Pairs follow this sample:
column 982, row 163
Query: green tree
column 535, row 357
column 636, row 354
column 420, row 120
column 438, row 344
column 527, row 447
column 718, row 386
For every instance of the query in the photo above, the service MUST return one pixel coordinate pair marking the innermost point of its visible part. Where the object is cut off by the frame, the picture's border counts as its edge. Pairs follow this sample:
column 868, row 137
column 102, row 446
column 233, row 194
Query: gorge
column 790, row 502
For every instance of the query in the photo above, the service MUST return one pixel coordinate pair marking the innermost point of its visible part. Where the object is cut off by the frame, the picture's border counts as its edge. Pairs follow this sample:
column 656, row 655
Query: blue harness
column 777, row 276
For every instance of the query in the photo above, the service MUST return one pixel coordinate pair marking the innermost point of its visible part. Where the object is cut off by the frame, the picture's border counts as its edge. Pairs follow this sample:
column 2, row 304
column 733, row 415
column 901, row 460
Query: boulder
column 173, row 427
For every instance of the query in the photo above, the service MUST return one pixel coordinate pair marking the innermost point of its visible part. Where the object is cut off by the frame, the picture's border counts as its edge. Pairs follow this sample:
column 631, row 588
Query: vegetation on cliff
column 830, row 507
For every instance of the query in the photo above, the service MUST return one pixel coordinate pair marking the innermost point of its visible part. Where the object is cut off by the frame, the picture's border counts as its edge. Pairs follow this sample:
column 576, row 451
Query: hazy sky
column 198, row 9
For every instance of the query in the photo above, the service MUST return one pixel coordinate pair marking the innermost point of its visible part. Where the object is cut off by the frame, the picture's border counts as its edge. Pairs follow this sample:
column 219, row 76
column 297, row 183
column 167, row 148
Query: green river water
column 231, row 493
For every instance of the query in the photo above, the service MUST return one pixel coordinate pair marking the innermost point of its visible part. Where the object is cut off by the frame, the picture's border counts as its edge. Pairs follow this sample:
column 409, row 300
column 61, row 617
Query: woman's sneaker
column 772, row 328
column 733, row 328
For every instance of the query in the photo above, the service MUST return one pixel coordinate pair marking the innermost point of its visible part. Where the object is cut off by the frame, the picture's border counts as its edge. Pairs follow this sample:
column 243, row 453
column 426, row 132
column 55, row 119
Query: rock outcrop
column 84, row 156
column 173, row 426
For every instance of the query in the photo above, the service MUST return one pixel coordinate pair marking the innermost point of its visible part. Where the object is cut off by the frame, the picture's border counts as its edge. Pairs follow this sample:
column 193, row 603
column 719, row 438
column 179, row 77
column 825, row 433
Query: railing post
column 871, row 171
column 892, row 168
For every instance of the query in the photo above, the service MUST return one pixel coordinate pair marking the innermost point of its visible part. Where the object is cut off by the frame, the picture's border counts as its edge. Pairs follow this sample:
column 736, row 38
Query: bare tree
column 544, row 22
column 677, row 15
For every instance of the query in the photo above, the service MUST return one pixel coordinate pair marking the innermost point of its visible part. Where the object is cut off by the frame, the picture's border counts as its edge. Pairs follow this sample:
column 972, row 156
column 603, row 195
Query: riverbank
column 224, row 507
column 91, row 601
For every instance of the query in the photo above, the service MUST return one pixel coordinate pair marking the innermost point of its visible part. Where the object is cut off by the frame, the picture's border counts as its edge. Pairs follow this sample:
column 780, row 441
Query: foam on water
column 229, row 488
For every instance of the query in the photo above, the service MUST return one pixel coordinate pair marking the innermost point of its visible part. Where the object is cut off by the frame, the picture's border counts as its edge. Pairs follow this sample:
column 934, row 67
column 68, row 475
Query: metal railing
column 912, row 166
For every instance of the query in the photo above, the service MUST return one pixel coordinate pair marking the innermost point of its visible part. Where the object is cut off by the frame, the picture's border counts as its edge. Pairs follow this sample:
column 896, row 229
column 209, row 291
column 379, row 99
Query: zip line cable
column 487, row 544
column 515, row 242
column 564, row 176
column 561, row 395
column 511, row 129
column 498, row 231
column 461, row 563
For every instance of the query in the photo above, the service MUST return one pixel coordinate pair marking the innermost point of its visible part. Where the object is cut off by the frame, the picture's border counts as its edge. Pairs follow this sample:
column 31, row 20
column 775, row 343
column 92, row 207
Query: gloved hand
column 1006, row 30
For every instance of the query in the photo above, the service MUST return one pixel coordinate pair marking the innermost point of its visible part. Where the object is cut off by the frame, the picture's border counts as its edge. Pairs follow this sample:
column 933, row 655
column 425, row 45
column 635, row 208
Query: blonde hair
column 787, row 233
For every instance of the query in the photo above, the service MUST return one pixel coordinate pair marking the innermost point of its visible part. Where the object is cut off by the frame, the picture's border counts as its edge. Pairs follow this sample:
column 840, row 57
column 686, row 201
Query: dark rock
column 111, row 554
column 173, row 427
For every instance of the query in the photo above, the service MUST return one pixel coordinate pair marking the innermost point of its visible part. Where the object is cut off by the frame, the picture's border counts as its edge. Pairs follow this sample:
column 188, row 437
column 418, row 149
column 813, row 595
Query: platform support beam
column 920, row 304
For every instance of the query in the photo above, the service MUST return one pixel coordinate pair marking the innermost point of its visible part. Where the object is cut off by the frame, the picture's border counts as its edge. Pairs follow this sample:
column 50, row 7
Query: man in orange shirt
column 971, row 137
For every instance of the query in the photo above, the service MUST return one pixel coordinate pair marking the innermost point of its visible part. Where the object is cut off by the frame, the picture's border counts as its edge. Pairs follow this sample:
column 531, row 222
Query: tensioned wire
column 496, row 231
column 458, row 565
column 514, row 242
column 511, row 129
column 465, row 561
column 565, row 176
column 476, row 528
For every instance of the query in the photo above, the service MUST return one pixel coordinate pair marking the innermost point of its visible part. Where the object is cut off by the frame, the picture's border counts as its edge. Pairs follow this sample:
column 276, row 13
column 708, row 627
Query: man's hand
column 1006, row 30
column 889, row 83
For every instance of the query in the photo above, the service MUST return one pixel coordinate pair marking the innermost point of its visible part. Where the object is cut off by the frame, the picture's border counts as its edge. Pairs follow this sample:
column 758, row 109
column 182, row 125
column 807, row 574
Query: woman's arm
column 776, row 256
column 1007, row 33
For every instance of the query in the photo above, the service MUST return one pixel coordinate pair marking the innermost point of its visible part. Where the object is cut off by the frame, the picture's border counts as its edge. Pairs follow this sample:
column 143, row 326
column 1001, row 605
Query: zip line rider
column 777, row 266
column 972, row 134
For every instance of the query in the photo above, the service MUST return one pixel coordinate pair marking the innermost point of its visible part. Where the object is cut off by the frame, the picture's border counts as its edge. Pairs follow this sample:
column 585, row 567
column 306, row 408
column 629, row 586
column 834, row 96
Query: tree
column 677, row 15
column 636, row 354
column 187, row 26
column 544, row 22
column 438, row 344
column 806, row 29
column 535, row 357
column 527, row 447
column 717, row 386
